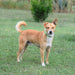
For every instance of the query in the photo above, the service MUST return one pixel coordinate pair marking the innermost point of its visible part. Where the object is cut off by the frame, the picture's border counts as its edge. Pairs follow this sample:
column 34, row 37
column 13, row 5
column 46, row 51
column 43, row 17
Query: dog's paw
column 47, row 62
column 18, row 60
column 43, row 64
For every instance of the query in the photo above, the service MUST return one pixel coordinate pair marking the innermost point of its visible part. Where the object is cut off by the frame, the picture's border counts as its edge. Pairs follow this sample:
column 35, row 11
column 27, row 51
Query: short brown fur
column 35, row 37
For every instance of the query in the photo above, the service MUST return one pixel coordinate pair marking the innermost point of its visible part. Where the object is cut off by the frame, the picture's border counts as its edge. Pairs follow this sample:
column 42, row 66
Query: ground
column 62, row 53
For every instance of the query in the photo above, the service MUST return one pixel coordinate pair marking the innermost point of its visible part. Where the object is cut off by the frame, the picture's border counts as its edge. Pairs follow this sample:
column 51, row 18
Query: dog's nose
column 50, row 32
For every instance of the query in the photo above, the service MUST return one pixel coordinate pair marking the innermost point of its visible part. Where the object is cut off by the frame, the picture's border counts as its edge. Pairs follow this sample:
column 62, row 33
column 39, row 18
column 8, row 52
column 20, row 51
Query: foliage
column 62, row 4
column 40, row 9
column 15, row 5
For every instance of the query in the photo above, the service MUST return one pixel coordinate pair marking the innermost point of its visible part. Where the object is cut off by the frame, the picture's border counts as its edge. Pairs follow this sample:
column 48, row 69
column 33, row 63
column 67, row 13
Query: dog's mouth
column 50, row 33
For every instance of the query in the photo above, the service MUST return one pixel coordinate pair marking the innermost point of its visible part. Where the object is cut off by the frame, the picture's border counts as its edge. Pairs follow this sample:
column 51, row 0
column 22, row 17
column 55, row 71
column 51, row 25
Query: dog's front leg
column 42, row 56
column 47, row 54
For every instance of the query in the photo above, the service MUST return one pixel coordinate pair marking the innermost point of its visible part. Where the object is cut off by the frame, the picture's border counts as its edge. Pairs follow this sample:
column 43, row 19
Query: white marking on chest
column 49, row 41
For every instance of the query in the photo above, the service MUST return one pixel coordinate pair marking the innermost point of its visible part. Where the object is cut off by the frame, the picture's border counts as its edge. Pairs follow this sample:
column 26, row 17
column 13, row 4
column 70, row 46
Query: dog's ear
column 45, row 24
column 55, row 22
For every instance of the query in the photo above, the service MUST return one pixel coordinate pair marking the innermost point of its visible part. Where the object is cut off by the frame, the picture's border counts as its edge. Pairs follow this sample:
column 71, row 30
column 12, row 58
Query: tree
column 40, row 9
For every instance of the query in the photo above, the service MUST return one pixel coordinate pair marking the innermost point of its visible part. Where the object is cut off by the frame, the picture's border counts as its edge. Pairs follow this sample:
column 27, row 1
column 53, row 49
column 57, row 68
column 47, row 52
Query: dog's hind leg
column 21, row 47
column 19, row 51
column 25, row 47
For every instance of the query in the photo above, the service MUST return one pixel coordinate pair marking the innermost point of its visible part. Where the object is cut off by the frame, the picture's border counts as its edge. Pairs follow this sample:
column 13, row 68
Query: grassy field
column 10, row 4
column 62, row 53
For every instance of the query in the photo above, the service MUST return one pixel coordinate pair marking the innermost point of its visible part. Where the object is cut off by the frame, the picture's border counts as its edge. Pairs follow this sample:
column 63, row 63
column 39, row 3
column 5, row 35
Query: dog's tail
column 18, row 25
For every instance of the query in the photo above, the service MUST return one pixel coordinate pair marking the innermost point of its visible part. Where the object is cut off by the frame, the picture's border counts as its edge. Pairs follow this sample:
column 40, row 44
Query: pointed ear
column 55, row 22
column 45, row 24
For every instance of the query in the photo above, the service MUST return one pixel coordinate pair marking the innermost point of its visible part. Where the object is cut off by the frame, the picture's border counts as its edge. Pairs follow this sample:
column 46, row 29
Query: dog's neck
column 49, row 39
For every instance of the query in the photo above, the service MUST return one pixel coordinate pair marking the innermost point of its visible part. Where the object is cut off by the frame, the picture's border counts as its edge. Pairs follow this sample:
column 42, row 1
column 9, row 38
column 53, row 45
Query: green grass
column 62, row 54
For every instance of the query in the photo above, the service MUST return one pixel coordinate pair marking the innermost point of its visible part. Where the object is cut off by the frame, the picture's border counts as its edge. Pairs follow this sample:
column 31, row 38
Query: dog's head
column 50, row 27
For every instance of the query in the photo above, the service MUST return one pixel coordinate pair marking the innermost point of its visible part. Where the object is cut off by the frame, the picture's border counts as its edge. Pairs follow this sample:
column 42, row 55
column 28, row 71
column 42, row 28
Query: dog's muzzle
column 50, row 32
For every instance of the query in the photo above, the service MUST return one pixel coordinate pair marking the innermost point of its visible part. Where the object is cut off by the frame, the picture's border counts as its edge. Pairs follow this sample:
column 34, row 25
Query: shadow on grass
column 4, row 36
column 69, row 37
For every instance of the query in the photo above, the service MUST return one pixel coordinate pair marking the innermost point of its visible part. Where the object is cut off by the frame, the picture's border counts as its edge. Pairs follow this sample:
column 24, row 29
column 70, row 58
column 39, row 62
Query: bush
column 40, row 9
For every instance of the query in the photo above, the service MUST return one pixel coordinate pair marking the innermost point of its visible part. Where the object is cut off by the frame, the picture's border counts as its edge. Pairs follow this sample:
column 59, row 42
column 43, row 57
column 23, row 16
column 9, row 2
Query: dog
column 42, row 39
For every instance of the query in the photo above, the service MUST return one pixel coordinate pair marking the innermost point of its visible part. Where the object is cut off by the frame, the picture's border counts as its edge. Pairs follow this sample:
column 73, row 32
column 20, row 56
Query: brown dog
column 42, row 39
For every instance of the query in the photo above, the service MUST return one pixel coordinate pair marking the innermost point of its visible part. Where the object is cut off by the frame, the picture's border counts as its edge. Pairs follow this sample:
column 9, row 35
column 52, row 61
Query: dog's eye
column 47, row 27
column 52, row 27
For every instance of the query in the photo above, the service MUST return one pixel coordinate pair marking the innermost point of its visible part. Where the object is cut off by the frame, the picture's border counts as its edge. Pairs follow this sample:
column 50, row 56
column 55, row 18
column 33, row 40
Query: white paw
column 18, row 60
column 43, row 64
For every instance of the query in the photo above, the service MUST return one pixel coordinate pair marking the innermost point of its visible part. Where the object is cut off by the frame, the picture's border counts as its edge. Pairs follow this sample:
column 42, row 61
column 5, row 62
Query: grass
column 62, row 54
column 25, row 5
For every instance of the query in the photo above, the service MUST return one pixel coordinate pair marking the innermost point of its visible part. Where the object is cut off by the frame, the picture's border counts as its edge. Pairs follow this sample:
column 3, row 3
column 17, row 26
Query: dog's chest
column 49, row 41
